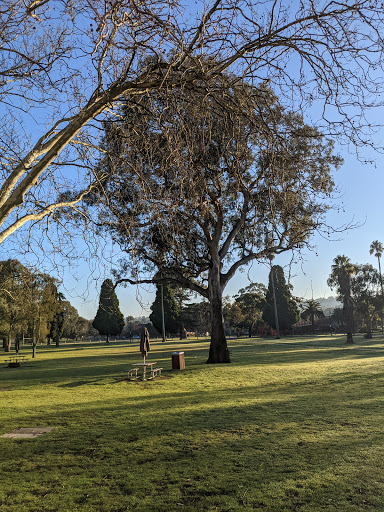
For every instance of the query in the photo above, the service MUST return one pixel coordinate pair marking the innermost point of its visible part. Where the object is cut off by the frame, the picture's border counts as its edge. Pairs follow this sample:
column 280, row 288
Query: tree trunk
column 349, row 339
column 369, row 329
column 34, row 340
column 218, row 351
column 107, row 338
column 7, row 344
column 348, row 312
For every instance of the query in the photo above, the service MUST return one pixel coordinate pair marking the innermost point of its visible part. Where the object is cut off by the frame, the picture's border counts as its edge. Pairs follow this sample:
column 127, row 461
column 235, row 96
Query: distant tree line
column 32, row 307
column 251, row 312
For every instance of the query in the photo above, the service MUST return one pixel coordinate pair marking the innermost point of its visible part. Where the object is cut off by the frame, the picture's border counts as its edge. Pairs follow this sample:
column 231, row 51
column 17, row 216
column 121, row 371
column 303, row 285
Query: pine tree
column 171, row 311
column 109, row 319
column 287, row 310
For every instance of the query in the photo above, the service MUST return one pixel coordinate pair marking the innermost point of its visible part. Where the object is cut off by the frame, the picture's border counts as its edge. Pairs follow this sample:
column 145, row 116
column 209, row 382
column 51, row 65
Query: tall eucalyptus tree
column 198, row 187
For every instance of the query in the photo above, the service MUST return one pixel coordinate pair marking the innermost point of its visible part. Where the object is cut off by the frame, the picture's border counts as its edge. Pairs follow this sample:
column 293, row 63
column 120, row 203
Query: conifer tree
column 287, row 310
column 109, row 319
column 171, row 311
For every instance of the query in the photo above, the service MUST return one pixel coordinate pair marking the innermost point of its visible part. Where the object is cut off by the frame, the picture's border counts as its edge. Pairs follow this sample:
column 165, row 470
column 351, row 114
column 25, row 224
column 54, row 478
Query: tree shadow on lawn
column 270, row 445
column 96, row 367
column 304, row 353
column 151, row 398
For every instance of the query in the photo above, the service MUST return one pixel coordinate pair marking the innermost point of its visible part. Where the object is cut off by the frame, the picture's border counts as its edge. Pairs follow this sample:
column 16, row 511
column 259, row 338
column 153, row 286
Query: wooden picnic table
column 144, row 366
column 15, row 361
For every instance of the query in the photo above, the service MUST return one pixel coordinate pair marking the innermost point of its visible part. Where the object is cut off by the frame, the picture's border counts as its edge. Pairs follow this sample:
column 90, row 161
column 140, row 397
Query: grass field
column 291, row 425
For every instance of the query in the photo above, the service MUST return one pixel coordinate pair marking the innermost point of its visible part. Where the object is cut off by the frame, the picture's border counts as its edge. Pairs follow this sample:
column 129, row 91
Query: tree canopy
column 171, row 311
column 340, row 279
column 366, row 296
column 251, row 302
column 55, row 92
column 28, row 302
column 312, row 310
column 196, row 190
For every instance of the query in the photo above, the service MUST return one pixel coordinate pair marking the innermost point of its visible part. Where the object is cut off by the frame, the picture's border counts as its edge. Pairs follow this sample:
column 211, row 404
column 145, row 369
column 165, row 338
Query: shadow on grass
column 96, row 366
column 270, row 439
column 282, row 443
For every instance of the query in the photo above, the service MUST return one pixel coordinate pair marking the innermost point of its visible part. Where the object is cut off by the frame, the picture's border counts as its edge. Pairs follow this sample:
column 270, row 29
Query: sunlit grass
column 290, row 425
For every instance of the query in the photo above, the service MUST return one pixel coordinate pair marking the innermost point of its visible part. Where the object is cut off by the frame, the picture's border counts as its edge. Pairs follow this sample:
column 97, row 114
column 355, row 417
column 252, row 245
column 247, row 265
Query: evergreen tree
column 287, row 310
column 197, row 317
column 109, row 319
column 171, row 311
column 57, row 324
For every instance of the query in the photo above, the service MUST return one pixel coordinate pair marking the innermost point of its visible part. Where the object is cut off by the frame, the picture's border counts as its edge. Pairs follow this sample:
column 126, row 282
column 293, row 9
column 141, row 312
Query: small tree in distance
column 251, row 301
column 312, row 310
column 109, row 320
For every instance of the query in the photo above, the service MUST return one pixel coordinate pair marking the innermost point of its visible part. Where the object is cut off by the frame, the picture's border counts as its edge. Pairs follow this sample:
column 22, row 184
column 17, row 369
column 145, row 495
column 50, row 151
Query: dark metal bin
column 178, row 362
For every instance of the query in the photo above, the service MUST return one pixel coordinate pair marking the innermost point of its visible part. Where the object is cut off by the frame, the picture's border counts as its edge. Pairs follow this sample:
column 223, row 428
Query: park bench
column 132, row 373
column 16, row 361
column 155, row 371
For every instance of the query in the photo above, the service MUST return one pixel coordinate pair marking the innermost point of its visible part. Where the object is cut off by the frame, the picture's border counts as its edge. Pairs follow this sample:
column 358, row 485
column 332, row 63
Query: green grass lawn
column 291, row 425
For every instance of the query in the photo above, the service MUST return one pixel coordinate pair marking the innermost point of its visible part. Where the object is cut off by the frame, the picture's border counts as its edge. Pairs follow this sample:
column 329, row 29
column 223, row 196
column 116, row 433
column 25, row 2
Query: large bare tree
column 64, row 64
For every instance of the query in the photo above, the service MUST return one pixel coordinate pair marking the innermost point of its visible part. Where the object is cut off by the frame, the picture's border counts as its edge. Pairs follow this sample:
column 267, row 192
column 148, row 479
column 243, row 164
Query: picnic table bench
column 133, row 373
column 155, row 371
column 16, row 361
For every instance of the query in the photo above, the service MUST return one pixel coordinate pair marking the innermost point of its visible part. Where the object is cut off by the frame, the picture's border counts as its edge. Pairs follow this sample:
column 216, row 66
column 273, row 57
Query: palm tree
column 312, row 310
column 340, row 278
column 377, row 250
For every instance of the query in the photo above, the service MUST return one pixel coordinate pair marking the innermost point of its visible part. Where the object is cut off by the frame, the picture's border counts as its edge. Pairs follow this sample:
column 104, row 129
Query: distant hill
column 328, row 304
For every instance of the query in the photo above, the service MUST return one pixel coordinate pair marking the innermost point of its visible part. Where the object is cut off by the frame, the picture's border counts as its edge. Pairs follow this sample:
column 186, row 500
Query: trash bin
column 178, row 362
